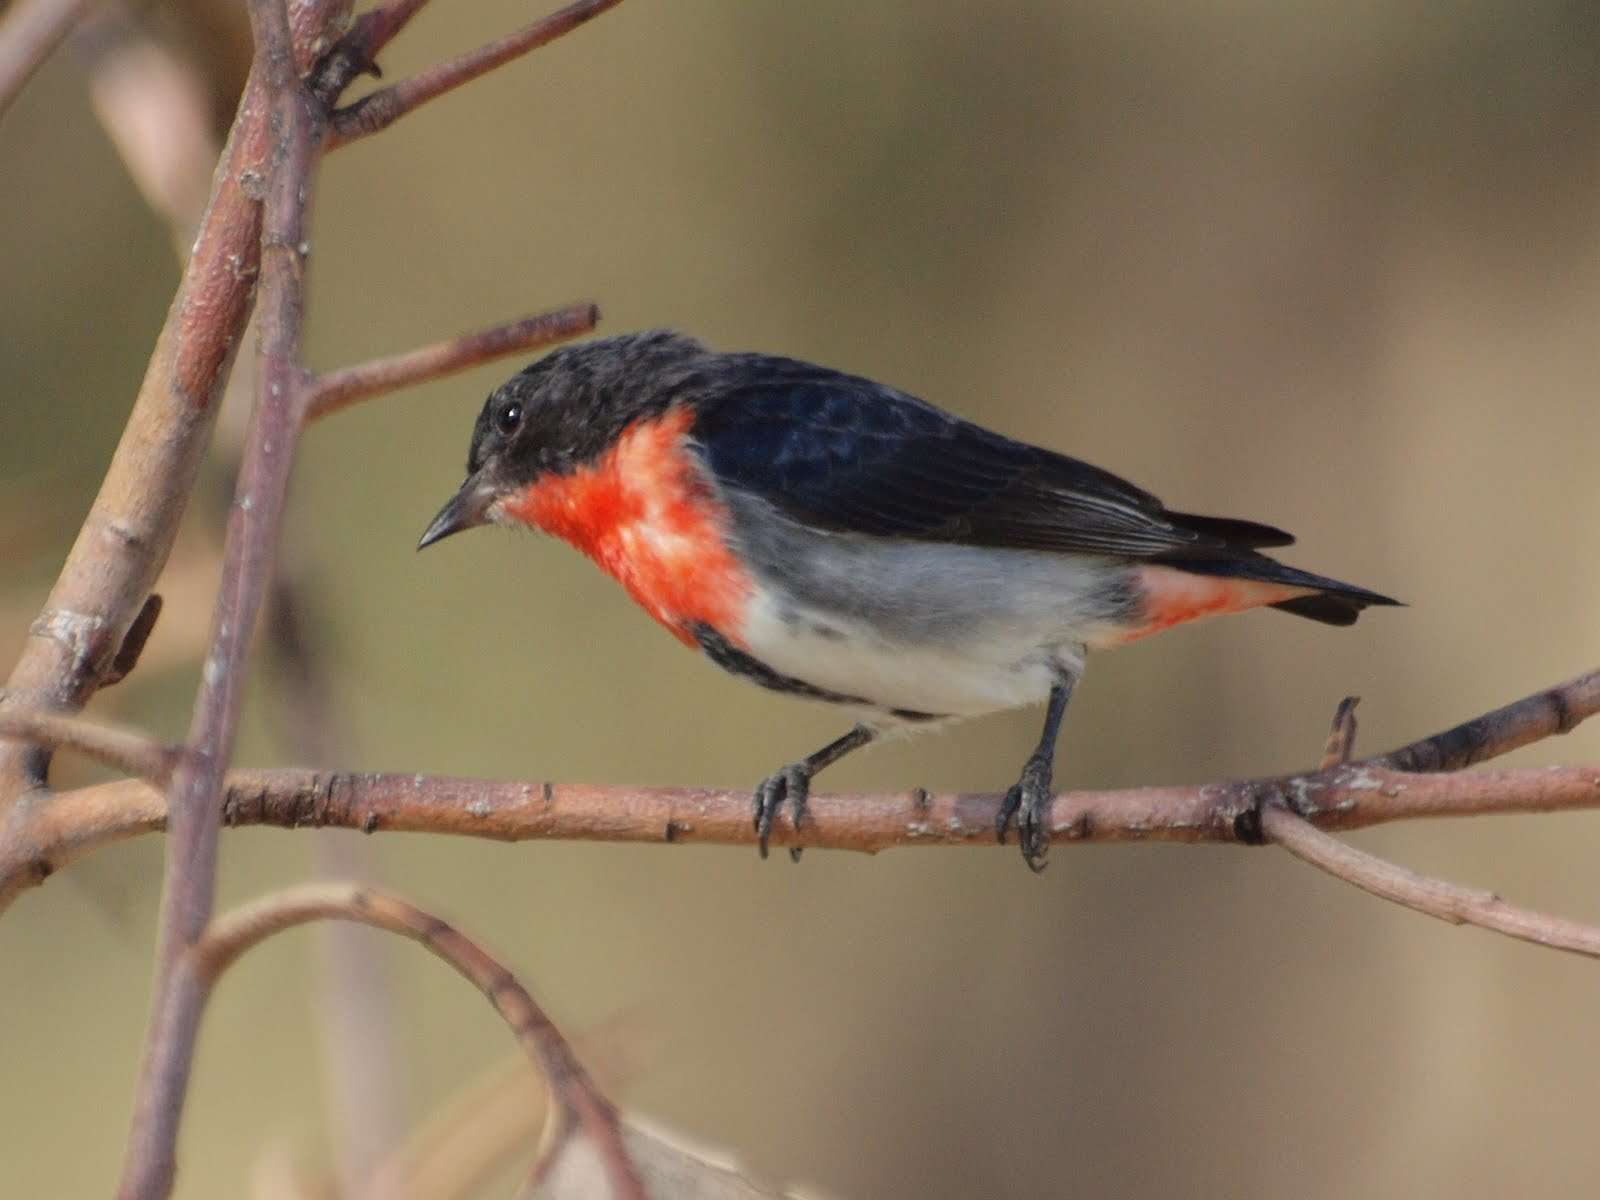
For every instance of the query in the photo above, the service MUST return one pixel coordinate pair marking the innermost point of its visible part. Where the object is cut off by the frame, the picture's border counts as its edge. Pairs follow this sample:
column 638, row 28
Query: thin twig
column 579, row 1104
column 31, row 31
column 189, row 884
column 1433, row 897
column 1553, row 711
column 339, row 389
column 387, row 105
column 124, row 749
column 1341, row 743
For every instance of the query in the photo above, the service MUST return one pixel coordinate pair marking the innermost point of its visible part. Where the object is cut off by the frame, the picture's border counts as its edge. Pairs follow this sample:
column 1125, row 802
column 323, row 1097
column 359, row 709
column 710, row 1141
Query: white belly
column 955, row 677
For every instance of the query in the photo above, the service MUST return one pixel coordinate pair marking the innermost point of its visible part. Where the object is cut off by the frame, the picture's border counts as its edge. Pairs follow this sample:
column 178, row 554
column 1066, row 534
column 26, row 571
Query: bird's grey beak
column 468, row 508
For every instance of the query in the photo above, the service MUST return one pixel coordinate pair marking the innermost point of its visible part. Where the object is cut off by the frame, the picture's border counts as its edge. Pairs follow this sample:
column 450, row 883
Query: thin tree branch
column 128, row 534
column 31, row 31
column 579, row 1105
column 124, row 749
column 384, row 107
column 45, row 838
column 1544, row 714
column 1341, row 741
column 336, row 390
column 1433, row 897
column 189, row 885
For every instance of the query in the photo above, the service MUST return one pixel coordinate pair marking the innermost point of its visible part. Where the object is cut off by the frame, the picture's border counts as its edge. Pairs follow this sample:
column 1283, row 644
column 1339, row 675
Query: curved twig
column 579, row 1105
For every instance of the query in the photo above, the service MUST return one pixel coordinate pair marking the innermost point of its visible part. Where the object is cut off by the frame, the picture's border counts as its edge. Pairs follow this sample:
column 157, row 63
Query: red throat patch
column 1172, row 597
column 644, row 513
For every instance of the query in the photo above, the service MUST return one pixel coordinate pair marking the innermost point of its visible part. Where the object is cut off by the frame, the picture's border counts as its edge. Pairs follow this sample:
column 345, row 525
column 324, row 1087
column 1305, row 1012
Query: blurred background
column 1335, row 266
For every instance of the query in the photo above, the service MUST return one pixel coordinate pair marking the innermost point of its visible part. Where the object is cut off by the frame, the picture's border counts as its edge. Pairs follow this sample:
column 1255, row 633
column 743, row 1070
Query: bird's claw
column 1028, row 800
column 792, row 783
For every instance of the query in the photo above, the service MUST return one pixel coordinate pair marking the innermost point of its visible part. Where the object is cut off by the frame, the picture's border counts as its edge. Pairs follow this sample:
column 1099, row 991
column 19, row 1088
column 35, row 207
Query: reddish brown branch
column 29, row 34
column 579, row 1106
column 339, row 389
column 1352, row 796
column 387, row 105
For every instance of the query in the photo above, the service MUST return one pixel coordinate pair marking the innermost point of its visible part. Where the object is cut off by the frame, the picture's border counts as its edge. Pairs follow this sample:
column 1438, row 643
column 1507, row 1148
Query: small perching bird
column 830, row 537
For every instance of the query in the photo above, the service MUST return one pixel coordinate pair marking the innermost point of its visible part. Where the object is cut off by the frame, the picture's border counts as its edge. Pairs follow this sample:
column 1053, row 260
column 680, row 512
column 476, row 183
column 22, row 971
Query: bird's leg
column 793, row 783
column 1029, row 797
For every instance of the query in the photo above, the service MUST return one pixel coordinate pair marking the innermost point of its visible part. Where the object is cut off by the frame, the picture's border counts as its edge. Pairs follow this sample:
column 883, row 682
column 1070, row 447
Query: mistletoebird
column 827, row 536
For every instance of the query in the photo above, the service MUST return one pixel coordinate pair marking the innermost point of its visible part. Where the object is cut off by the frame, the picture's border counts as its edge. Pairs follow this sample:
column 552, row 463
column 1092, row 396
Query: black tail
column 1334, row 604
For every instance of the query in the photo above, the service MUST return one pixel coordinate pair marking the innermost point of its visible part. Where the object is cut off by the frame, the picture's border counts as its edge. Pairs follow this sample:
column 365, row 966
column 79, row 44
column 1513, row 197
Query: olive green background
column 1335, row 266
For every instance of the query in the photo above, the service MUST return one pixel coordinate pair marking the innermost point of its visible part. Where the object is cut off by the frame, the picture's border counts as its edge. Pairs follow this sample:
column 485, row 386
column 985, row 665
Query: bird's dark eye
column 509, row 417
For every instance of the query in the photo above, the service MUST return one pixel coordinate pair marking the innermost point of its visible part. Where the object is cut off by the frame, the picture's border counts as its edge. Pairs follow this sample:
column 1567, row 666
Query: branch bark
column 1344, row 796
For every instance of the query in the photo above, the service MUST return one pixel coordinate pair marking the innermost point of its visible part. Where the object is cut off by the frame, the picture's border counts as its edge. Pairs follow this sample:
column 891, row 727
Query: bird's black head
column 563, row 412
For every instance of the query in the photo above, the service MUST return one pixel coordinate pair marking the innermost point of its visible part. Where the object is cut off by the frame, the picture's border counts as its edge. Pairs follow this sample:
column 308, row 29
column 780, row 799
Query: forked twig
column 1492, row 734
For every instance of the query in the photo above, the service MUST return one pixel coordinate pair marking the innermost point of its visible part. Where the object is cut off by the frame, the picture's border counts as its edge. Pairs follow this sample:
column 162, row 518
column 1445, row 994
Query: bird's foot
column 1028, row 801
column 792, row 783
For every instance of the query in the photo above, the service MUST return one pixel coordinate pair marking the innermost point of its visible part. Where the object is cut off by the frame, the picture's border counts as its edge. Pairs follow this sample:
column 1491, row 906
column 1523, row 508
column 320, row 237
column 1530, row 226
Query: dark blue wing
column 845, row 454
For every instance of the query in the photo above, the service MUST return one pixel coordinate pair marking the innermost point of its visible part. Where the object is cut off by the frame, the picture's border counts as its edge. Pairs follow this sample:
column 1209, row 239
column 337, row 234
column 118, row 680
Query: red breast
column 644, row 512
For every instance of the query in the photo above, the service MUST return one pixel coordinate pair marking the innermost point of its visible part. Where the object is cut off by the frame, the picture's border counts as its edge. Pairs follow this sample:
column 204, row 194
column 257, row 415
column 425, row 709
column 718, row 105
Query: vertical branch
column 189, row 884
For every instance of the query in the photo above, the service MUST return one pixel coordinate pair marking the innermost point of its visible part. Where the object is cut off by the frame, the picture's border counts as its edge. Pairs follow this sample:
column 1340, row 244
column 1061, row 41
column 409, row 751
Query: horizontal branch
column 1342, row 796
column 76, row 822
column 339, row 389
column 387, row 105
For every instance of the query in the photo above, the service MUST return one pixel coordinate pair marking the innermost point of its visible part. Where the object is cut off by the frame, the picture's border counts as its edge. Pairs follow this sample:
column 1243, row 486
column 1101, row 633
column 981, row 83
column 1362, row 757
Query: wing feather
column 842, row 453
